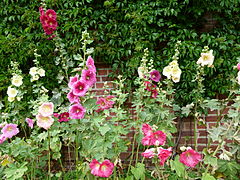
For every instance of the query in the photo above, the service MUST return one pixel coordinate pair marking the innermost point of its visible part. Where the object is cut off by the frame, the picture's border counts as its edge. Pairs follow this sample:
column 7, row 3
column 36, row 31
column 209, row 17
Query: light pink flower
column 104, row 104
column 72, row 98
column 147, row 129
column 103, row 169
column 2, row 138
column 155, row 76
column 147, row 140
column 80, row 88
column 30, row 122
column 163, row 154
column 238, row 66
column 73, row 80
column 77, row 111
column 149, row 153
column 10, row 130
column 50, row 13
column 190, row 158
column 46, row 109
column 89, row 77
column 64, row 117
column 90, row 64
column 108, row 98
column 44, row 122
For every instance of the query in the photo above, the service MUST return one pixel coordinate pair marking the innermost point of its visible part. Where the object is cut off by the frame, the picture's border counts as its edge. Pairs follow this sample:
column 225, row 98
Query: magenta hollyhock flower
column 72, row 98
column 158, row 138
column 41, row 10
column 149, row 153
column 163, row 154
column 147, row 129
column 155, row 76
column 64, row 117
column 103, row 169
column 90, row 64
column 80, row 88
column 190, row 158
column 51, row 14
column 10, row 130
column 89, row 77
column 73, row 80
column 52, row 24
column 149, row 86
column 30, row 122
column 44, row 122
column 77, row 111
column 154, row 93
column 46, row 109
column 44, row 20
column 2, row 138
column 56, row 115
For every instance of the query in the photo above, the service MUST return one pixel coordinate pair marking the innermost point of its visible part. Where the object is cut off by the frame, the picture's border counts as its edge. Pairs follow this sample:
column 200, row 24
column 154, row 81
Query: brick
column 202, row 140
column 211, row 119
column 99, row 85
column 102, row 72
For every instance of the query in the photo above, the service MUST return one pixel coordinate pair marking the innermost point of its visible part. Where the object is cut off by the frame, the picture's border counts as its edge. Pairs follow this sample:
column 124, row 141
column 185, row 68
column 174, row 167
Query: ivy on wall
column 121, row 30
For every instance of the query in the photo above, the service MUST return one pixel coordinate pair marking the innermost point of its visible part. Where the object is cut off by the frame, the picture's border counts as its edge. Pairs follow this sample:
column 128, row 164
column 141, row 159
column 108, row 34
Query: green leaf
column 178, row 167
column 139, row 171
column 104, row 129
column 207, row 177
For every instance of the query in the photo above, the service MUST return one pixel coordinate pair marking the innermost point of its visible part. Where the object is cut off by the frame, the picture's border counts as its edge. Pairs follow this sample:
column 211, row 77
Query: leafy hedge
column 121, row 30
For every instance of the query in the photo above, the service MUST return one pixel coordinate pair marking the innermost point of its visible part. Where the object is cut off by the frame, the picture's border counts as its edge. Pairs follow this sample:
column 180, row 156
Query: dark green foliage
column 121, row 30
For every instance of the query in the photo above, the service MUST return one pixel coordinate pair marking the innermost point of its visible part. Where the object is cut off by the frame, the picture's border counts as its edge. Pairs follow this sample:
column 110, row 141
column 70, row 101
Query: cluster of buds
column 48, row 20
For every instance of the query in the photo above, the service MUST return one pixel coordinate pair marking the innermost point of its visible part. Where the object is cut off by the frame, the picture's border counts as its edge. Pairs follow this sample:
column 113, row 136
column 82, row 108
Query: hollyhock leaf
column 177, row 166
column 138, row 171
column 104, row 129
column 42, row 136
column 207, row 177
column 210, row 160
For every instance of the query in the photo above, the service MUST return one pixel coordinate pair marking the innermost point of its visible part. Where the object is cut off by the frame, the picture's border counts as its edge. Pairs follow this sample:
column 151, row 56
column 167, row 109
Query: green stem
column 195, row 133
column 132, row 153
column 49, row 156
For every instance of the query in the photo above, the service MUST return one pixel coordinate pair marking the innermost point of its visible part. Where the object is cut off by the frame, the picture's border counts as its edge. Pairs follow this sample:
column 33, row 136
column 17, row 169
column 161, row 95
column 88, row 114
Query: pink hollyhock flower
column 155, row 76
column 56, row 115
column 154, row 93
column 108, row 98
column 48, row 30
column 52, row 24
column 149, row 86
column 77, row 111
column 103, row 169
column 73, row 80
column 51, row 14
column 158, row 138
column 238, row 66
column 149, row 153
column 103, row 104
column 72, row 98
column 90, row 64
column 10, row 130
column 46, row 109
column 44, row 122
column 147, row 129
column 190, row 158
column 30, row 122
column 41, row 11
column 80, row 88
column 2, row 138
column 44, row 20
column 64, row 117
column 89, row 77
column 147, row 140
column 163, row 154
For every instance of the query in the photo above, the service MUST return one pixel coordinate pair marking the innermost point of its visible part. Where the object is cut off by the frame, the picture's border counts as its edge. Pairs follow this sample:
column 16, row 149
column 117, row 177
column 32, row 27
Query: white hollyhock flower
column 17, row 80
column 167, row 71
column 206, row 59
column 33, row 71
column 12, row 92
column 41, row 72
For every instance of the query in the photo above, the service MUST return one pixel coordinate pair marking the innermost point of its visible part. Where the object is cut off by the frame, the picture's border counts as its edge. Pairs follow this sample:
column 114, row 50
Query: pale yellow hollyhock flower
column 34, row 78
column 173, row 63
column 41, row 72
column 33, row 71
column 176, row 71
column 206, row 59
column 175, row 79
column 12, row 92
column 11, row 99
column 167, row 71
column 17, row 80
column 141, row 72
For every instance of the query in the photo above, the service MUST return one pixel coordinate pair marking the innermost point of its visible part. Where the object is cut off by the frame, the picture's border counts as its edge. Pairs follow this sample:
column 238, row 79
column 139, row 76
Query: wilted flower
column 206, row 58
column 10, row 130
column 17, row 80
column 190, row 158
column 30, row 122
column 44, row 122
column 12, row 92
column 46, row 109
column 149, row 153
column 77, row 111
column 2, row 138
column 163, row 154
column 103, row 169
column 155, row 76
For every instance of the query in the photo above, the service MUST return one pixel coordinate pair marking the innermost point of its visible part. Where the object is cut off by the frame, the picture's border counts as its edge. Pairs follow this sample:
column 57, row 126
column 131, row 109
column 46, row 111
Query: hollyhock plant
column 89, row 77
column 30, row 122
column 103, row 169
column 164, row 154
column 155, row 76
column 44, row 122
column 46, row 109
column 77, row 111
column 73, row 80
column 190, row 158
column 80, row 88
column 64, row 117
column 72, row 98
column 90, row 64
column 10, row 130
column 149, row 153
